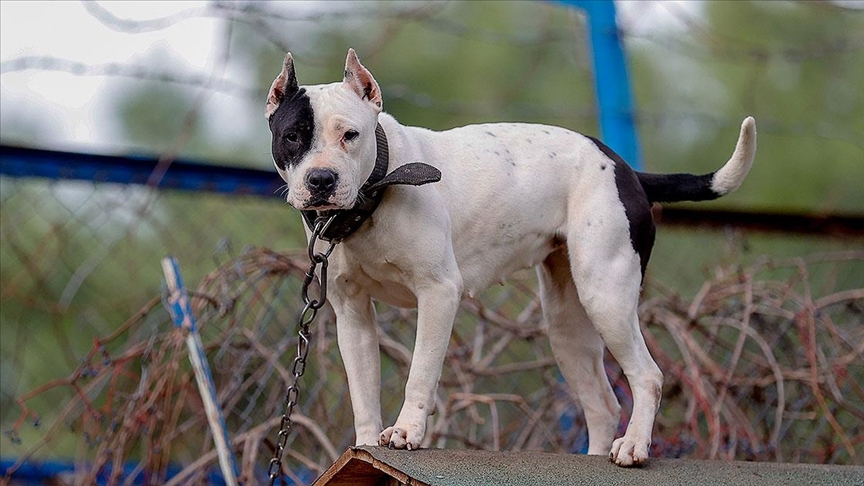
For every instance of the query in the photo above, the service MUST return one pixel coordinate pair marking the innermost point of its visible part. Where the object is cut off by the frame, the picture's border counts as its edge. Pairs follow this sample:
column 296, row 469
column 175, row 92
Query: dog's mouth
column 319, row 204
column 325, row 202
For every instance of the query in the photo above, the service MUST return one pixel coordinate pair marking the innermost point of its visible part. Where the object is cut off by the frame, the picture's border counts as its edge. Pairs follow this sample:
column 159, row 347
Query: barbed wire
column 813, row 52
column 463, row 31
column 773, row 126
column 137, row 72
column 714, row 45
column 404, row 93
column 265, row 10
column 723, row 45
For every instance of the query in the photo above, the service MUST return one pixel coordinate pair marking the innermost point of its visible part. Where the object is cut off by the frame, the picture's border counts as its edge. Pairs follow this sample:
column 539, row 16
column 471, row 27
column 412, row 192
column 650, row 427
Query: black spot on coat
column 636, row 205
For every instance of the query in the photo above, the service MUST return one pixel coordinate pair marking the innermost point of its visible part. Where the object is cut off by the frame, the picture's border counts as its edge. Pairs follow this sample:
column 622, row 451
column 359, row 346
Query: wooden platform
column 380, row 466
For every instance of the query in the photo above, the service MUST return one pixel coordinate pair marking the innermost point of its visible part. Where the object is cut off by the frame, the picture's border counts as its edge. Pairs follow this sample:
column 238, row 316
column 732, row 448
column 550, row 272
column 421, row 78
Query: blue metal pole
column 181, row 311
column 611, row 80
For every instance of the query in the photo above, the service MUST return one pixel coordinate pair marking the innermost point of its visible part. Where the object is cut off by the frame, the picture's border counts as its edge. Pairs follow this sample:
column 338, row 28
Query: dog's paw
column 627, row 452
column 402, row 437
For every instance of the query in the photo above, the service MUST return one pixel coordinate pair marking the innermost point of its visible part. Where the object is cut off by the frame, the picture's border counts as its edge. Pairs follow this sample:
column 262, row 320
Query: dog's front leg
column 436, row 310
column 357, row 336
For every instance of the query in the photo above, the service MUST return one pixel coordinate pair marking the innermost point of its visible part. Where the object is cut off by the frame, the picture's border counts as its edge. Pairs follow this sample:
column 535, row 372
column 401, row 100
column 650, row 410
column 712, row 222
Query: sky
column 74, row 112
column 76, row 107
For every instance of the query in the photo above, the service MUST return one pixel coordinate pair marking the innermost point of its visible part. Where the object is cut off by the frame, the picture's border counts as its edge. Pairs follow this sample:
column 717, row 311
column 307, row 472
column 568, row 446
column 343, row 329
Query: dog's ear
column 360, row 80
column 285, row 83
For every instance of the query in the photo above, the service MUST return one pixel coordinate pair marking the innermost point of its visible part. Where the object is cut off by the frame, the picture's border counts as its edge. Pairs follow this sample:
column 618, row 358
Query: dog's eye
column 291, row 137
column 351, row 135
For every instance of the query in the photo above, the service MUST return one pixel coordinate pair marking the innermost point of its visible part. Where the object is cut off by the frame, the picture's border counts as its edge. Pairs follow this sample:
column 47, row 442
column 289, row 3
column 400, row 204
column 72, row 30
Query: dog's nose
column 321, row 181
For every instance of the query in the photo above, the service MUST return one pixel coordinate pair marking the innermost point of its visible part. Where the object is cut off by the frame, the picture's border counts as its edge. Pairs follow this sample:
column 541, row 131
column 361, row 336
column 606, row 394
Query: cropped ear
column 285, row 83
column 360, row 80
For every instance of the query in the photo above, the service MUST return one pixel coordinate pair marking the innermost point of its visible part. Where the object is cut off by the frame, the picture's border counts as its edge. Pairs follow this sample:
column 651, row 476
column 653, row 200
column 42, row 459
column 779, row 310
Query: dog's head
column 324, row 135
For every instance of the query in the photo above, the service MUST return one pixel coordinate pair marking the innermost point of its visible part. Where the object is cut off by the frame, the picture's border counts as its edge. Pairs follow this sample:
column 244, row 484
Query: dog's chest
column 381, row 279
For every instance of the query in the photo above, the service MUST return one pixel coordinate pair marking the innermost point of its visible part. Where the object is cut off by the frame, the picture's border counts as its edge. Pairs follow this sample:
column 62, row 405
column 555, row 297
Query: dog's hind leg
column 607, row 274
column 578, row 349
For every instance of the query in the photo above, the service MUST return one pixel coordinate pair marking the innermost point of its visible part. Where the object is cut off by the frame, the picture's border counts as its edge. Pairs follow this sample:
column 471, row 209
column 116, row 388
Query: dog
column 510, row 196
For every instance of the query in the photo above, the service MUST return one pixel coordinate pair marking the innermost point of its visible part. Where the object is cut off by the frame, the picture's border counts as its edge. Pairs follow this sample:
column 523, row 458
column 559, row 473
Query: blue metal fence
column 178, row 174
column 35, row 473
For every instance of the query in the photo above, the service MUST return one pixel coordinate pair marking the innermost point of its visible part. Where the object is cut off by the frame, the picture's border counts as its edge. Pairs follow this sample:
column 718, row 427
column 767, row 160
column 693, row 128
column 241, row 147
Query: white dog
column 510, row 196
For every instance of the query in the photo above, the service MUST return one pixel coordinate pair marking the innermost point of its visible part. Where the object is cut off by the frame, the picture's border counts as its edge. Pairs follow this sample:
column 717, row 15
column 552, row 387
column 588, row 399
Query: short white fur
column 511, row 196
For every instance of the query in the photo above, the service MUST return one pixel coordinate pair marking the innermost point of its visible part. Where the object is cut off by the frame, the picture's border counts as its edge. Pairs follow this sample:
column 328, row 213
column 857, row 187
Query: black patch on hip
column 636, row 205
column 292, row 126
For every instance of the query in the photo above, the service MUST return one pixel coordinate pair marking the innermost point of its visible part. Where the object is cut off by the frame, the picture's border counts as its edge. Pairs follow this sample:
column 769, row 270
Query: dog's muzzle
column 346, row 221
column 321, row 184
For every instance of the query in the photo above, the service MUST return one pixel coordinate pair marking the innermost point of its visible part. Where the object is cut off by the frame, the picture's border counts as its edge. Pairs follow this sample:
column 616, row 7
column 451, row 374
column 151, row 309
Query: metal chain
column 307, row 316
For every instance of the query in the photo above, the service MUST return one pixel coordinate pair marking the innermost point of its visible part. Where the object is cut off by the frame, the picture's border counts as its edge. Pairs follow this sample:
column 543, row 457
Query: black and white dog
column 510, row 196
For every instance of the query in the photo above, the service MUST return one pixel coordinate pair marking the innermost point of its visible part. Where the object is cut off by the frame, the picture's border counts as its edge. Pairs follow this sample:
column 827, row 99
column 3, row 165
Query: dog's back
column 520, row 186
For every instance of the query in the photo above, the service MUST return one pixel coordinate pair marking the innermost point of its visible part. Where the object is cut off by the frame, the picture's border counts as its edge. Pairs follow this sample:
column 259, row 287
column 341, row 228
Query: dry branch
column 755, row 367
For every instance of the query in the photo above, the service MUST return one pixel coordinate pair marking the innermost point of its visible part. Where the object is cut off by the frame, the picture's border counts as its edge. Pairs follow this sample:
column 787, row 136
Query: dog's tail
column 688, row 187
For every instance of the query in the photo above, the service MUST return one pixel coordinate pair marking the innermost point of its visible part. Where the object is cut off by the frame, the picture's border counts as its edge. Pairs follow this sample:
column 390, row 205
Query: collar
column 346, row 221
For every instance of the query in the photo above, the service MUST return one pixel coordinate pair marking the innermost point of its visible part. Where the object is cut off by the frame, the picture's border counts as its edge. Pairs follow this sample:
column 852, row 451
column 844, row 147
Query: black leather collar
column 347, row 221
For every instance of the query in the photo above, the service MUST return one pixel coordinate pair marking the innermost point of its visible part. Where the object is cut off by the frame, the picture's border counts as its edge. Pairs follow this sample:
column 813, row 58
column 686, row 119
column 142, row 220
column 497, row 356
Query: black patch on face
column 636, row 205
column 292, row 126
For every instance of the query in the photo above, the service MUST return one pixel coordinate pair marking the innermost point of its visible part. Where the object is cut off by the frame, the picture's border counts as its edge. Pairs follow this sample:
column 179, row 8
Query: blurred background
column 186, row 81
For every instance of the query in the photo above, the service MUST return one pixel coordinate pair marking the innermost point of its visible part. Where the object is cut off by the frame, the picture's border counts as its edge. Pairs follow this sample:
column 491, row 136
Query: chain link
column 307, row 316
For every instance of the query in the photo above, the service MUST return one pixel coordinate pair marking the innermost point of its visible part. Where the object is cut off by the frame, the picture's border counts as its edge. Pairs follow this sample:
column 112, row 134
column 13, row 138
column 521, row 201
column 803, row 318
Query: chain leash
column 307, row 316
